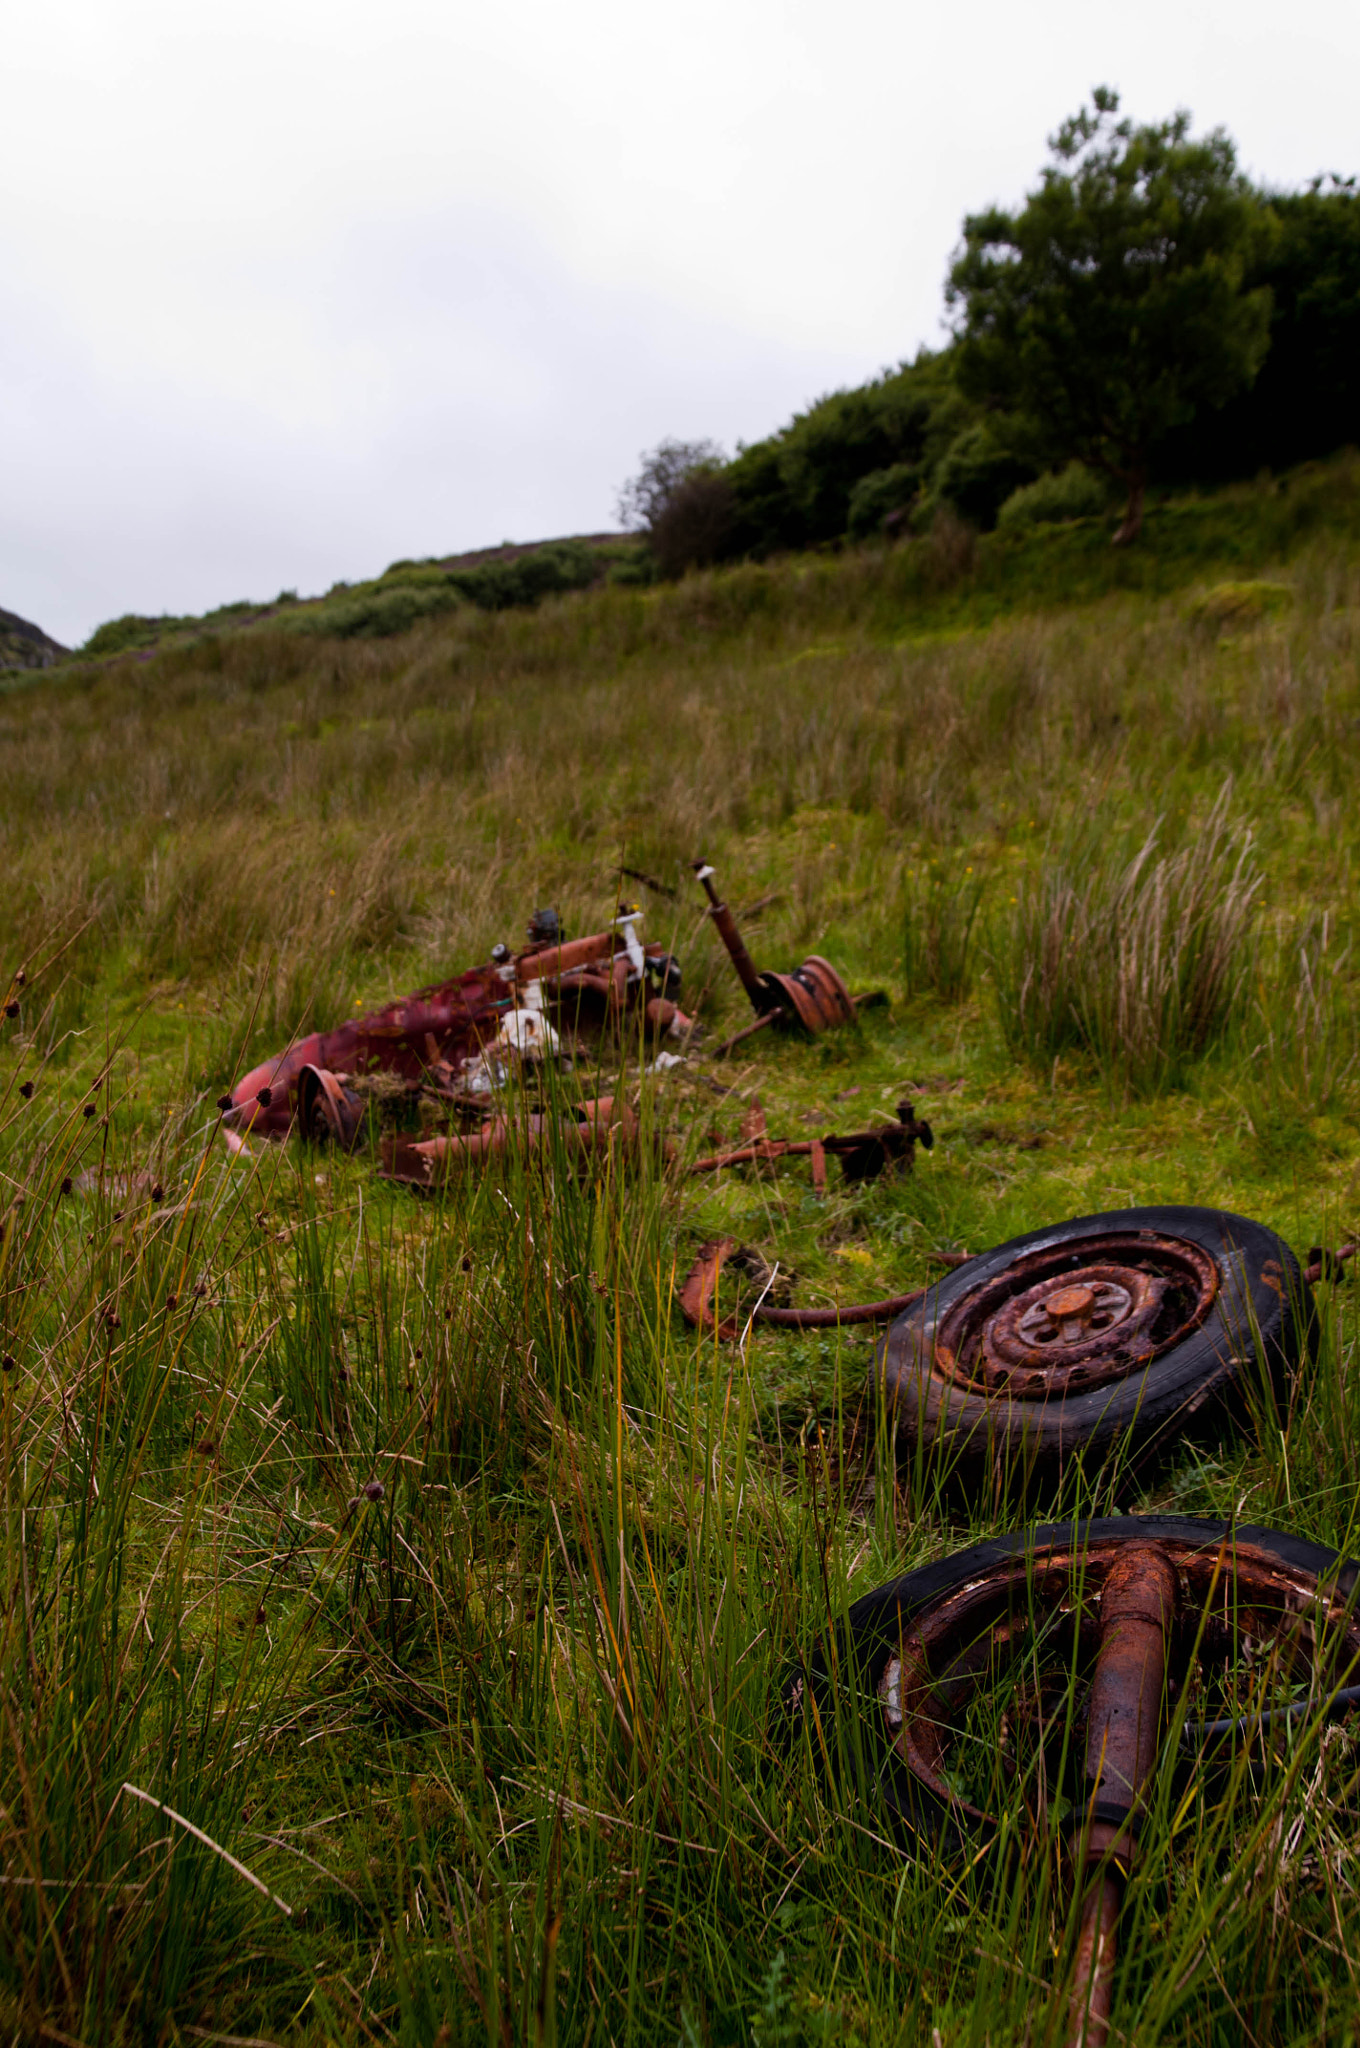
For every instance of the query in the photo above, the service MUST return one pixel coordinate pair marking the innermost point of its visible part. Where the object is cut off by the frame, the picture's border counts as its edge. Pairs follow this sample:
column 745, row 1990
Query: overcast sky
column 292, row 288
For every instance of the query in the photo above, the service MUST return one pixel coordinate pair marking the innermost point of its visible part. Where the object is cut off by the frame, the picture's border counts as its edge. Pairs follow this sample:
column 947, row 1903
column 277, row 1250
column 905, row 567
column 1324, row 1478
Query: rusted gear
column 1039, row 1676
column 1132, row 1322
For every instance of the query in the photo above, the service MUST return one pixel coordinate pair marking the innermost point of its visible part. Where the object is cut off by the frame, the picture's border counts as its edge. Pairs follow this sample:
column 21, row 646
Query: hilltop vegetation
column 417, row 1554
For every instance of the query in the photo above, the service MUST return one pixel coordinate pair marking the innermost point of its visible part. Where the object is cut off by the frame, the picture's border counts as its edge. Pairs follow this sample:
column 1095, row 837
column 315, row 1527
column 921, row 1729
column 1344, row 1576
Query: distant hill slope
column 23, row 645
column 514, row 550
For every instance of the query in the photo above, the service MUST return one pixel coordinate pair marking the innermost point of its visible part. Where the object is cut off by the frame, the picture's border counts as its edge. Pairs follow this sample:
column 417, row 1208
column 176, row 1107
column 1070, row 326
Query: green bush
column 1232, row 607
column 527, row 579
column 978, row 472
column 375, row 613
column 117, row 636
column 880, row 494
column 1072, row 493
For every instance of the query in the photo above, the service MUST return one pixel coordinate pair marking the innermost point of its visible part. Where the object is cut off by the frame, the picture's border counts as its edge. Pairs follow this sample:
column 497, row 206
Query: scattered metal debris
column 864, row 1155
column 460, row 1039
column 701, row 1284
column 812, row 998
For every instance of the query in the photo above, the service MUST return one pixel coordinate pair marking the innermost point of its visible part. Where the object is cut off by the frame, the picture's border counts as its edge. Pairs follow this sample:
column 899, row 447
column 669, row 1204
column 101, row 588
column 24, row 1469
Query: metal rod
column 1123, row 1722
column 732, row 939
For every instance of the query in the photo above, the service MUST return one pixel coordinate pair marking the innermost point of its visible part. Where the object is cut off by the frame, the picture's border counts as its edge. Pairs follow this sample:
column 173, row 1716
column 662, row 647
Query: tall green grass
column 413, row 1550
column 1140, row 962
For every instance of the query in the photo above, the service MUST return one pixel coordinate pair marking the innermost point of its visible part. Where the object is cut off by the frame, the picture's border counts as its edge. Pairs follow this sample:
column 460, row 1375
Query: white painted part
column 528, row 1033
column 702, row 874
column 532, row 998
column 507, row 970
column 637, row 959
column 664, row 1061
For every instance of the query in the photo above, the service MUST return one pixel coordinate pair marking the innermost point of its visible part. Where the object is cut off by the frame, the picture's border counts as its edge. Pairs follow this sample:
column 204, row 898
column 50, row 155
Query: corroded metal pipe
column 735, row 944
column 1137, row 1608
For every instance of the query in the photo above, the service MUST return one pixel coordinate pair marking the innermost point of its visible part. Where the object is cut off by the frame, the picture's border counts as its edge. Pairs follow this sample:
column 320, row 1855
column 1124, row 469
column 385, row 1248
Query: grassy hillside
column 417, row 1553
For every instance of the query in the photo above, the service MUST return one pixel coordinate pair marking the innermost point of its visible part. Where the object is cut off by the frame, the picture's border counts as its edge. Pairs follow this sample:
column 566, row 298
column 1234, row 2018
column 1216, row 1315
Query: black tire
column 1257, row 1312
column 877, row 1622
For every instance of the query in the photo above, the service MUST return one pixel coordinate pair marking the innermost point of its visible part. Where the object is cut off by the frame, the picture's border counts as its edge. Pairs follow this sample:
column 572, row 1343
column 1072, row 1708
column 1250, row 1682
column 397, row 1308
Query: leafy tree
column 1306, row 401
column 1112, row 306
column 681, row 500
column 795, row 489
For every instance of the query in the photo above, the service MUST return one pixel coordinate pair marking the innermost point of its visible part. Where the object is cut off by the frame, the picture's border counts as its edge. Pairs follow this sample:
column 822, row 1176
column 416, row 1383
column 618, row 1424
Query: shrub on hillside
column 560, row 566
column 375, row 613
column 978, row 472
column 795, row 488
column 883, row 495
column 118, row 636
column 1072, row 493
column 681, row 503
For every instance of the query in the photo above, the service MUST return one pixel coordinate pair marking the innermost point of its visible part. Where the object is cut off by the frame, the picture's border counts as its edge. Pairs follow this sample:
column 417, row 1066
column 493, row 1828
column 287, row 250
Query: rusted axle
column 863, row 1154
column 1137, row 1609
column 736, row 946
column 813, row 996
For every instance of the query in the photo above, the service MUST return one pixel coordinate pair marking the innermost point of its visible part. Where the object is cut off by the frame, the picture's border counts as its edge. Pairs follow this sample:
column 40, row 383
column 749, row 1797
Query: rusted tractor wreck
column 457, row 1040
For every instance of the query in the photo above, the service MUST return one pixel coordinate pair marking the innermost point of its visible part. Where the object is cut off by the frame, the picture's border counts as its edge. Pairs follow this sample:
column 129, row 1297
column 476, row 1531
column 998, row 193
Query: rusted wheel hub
column 813, row 994
column 1077, row 1314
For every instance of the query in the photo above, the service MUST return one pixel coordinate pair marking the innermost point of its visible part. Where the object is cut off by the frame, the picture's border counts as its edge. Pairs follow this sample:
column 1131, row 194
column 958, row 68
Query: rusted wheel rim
column 1076, row 1315
column 1249, row 1629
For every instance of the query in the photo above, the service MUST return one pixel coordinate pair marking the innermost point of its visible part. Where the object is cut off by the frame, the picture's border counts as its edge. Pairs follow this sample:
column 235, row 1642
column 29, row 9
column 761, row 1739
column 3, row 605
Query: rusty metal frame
column 430, row 1039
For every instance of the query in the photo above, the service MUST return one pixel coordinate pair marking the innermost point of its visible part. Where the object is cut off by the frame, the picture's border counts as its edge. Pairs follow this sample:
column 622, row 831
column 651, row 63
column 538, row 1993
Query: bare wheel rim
column 1252, row 1634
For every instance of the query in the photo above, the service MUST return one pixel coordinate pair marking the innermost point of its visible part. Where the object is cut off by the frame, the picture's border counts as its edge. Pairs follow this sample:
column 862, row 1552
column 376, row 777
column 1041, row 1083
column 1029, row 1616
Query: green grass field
column 491, row 1750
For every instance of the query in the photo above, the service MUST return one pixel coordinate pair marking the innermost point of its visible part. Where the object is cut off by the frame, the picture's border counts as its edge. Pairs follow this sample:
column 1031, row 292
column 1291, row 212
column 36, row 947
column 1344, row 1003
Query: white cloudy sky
column 291, row 288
